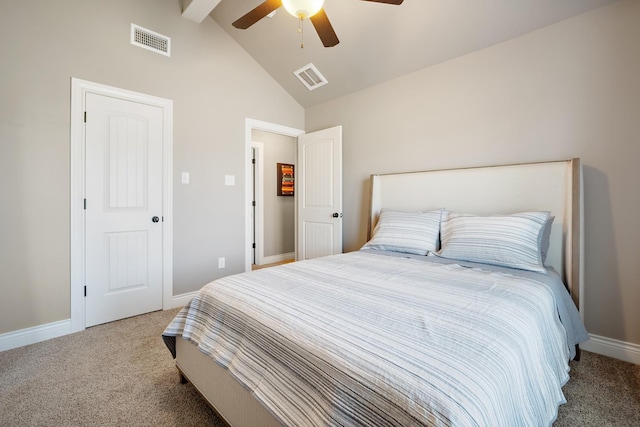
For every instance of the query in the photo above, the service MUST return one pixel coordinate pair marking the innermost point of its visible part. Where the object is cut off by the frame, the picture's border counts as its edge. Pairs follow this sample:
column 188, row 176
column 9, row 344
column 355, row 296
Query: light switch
column 185, row 177
column 229, row 180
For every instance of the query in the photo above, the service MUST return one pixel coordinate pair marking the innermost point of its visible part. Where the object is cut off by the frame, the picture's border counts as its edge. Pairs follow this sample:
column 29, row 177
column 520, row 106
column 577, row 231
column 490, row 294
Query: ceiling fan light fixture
column 302, row 9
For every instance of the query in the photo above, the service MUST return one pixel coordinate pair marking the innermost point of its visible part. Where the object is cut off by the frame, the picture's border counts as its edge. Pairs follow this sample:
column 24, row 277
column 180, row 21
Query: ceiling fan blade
column 398, row 2
column 257, row 14
column 324, row 29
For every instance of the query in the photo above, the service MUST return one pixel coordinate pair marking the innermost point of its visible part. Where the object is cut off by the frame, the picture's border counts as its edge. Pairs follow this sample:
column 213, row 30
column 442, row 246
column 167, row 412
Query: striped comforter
column 361, row 339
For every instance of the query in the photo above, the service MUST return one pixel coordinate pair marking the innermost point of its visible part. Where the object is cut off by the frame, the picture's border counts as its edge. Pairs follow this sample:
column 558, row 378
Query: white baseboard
column 625, row 351
column 277, row 258
column 15, row 339
column 181, row 300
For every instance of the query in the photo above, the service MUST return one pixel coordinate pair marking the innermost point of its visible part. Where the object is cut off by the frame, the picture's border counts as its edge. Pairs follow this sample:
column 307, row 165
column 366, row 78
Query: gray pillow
column 543, row 240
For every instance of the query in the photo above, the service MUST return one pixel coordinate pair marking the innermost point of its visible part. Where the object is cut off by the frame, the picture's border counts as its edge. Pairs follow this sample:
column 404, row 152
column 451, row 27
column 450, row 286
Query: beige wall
column 569, row 90
column 214, row 84
column 279, row 211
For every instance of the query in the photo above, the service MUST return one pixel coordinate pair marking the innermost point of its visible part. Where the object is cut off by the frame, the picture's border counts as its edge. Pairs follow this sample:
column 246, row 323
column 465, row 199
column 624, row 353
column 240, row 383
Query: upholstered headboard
column 550, row 186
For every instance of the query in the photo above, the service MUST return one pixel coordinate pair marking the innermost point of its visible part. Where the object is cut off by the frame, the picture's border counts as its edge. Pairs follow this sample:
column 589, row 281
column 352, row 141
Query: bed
column 421, row 326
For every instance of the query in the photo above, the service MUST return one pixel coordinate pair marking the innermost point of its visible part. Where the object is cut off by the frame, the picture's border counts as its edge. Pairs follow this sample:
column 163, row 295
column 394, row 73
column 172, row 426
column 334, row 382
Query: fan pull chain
column 301, row 31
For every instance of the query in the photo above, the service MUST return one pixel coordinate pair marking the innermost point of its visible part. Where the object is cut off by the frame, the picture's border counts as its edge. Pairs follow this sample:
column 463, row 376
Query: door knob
column 155, row 219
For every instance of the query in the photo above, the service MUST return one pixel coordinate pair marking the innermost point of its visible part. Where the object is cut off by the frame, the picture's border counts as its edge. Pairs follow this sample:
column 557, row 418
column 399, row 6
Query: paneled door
column 319, row 193
column 123, row 213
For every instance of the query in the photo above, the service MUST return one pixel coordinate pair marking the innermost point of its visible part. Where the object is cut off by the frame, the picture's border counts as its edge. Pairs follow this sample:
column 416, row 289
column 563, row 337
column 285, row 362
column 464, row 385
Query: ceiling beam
column 197, row 10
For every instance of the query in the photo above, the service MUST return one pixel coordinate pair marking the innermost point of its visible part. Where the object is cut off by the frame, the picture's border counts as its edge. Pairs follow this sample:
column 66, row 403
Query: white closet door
column 123, row 208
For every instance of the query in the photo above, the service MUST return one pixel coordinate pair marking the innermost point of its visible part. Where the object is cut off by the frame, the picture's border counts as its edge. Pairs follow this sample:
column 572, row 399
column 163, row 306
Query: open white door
column 319, row 194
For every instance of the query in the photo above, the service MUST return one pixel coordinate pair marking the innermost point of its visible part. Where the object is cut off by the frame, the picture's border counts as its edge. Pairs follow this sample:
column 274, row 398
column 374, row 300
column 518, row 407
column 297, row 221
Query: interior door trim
column 79, row 89
column 258, row 214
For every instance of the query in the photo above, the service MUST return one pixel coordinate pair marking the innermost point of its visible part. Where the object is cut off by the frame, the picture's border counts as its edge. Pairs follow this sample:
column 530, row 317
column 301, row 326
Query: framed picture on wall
column 286, row 179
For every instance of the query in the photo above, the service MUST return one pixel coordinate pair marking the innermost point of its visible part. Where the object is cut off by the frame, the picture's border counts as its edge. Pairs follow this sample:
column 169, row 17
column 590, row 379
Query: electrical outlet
column 221, row 262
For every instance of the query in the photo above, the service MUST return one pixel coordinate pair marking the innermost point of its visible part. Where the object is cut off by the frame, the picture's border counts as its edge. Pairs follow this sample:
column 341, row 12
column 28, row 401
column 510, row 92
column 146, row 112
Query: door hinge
column 85, row 117
column 85, row 204
column 253, row 246
column 85, row 290
column 253, row 161
column 253, row 203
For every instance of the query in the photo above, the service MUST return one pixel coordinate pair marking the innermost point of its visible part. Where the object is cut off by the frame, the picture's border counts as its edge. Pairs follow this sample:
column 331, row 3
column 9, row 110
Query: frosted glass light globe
column 302, row 9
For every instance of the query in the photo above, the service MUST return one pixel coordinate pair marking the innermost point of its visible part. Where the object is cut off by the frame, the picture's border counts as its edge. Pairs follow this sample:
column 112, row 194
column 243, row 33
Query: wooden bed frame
column 553, row 186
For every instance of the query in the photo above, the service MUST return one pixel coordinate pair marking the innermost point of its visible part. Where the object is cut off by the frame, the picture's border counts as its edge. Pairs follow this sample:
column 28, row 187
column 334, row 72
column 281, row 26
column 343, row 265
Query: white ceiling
column 379, row 42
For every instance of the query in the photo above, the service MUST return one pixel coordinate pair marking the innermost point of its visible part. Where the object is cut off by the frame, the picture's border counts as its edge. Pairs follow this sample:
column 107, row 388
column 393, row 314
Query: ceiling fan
column 301, row 9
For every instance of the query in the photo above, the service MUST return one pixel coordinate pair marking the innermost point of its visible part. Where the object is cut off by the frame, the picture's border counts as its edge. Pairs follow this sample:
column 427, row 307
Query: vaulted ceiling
column 378, row 41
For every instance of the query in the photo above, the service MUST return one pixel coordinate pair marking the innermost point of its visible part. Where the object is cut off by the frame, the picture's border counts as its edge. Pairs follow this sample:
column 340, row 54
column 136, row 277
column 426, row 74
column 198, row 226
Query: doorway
column 274, row 210
column 252, row 125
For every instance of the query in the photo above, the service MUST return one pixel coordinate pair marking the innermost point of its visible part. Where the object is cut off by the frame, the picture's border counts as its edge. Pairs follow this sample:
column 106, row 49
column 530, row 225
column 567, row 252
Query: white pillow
column 504, row 240
column 408, row 232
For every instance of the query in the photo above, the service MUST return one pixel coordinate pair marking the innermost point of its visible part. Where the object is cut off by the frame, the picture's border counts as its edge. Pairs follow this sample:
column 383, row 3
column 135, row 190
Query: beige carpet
column 121, row 374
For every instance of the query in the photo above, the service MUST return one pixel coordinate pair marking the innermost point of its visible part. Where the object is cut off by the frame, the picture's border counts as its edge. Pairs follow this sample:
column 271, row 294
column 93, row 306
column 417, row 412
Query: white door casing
column 123, row 249
column 258, row 198
column 81, row 180
column 319, row 194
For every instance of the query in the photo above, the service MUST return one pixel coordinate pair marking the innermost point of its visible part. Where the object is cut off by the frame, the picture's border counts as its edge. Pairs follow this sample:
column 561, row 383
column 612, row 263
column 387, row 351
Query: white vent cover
column 310, row 77
column 150, row 40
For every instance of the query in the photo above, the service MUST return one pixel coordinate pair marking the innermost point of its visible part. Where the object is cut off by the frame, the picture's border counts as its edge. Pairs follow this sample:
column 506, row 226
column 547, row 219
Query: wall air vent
column 150, row 40
column 310, row 77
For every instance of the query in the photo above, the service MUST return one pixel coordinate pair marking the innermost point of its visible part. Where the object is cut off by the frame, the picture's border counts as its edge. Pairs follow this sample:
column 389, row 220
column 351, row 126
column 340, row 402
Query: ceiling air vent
column 310, row 77
column 150, row 40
